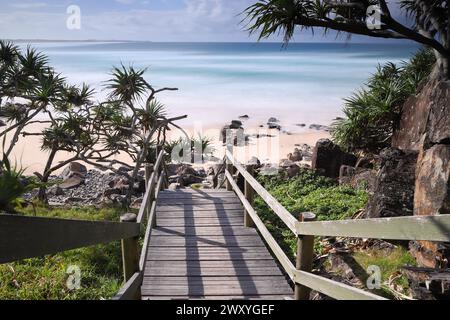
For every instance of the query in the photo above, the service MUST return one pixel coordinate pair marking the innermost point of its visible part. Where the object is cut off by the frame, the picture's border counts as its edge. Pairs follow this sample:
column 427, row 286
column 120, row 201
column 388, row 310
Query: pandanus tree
column 131, row 121
column 429, row 26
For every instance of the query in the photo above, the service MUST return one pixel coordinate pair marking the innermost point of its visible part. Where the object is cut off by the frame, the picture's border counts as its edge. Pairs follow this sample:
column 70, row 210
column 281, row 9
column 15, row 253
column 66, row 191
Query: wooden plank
column 131, row 290
column 199, row 222
column 270, row 240
column 430, row 228
column 220, row 298
column 278, row 280
column 190, row 241
column 332, row 288
column 202, row 231
column 27, row 237
column 185, row 195
column 207, row 272
column 211, row 213
column 252, row 289
column 214, row 264
column 199, row 207
column 199, row 201
column 281, row 212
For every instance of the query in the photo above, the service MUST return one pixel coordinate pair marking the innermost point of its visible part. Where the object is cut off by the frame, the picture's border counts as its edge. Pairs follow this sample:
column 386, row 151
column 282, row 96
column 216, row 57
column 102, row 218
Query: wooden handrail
column 23, row 237
column 131, row 289
column 273, row 203
column 429, row 228
column 150, row 188
column 326, row 286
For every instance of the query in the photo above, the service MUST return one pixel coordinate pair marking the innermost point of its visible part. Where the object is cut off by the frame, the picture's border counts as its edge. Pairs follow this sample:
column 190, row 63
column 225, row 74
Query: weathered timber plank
column 27, row 237
column 199, row 207
column 132, row 288
column 174, row 241
column 200, row 201
column 214, row 264
column 198, row 223
column 220, row 298
column 252, row 289
column 207, row 272
column 202, row 231
column 210, row 213
column 279, row 281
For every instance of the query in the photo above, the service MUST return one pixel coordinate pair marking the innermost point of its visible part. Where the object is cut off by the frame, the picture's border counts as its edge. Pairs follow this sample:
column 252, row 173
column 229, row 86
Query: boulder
column 236, row 124
column 293, row 170
column 394, row 186
column 425, row 117
column 328, row 158
column 285, row 163
column 254, row 161
column 358, row 178
column 431, row 197
column 72, row 182
column 74, row 168
column 296, row 156
column 189, row 179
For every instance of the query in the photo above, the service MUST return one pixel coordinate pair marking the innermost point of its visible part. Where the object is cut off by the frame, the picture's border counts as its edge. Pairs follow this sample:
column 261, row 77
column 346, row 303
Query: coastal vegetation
column 373, row 113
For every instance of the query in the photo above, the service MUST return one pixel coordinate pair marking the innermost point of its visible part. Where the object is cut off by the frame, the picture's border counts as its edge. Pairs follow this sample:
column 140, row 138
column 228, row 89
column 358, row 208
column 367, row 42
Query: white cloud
column 30, row 5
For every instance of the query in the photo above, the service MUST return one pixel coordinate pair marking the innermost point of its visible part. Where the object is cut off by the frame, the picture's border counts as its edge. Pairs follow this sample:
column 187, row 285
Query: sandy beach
column 270, row 147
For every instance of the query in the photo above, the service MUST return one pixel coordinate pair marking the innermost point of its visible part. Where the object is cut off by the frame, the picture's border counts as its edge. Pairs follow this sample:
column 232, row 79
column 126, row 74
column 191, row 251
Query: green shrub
column 372, row 113
column 306, row 192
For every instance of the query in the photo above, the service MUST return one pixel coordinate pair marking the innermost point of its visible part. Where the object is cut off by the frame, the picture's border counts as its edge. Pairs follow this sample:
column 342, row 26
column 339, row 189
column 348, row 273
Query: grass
column 389, row 264
column 307, row 192
column 45, row 278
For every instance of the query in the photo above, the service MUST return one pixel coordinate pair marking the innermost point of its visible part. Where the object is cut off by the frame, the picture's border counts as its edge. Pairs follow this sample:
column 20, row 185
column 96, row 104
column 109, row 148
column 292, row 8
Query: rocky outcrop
column 425, row 127
column 394, row 187
column 425, row 118
column 432, row 196
column 328, row 158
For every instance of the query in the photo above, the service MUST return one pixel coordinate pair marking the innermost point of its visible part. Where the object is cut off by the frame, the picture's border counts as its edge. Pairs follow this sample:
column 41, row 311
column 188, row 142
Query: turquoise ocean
column 218, row 82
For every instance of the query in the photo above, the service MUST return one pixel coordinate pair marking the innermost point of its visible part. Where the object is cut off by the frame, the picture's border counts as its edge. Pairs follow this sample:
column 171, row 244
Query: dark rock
column 273, row 125
column 301, row 125
column 2, row 123
column 346, row 173
column 285, row 163
column 189, row 179
column 273, row 120
column 428, row 283
column 365, row 163
column 394, row 188
column 125, row 169
column 223, row 133
column 56, row 191
column 319, row 127
column 296, row 155
column 244, row 117
column 293, row 170
column 254, row 161
column 328, row 158
column 236, row 124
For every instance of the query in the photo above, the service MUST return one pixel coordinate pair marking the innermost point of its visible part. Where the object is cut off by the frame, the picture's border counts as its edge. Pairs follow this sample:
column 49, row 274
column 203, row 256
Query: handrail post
column 304, row 259
column 130, row 251
column 229, row 162
column 249, row 195
column 148, row 174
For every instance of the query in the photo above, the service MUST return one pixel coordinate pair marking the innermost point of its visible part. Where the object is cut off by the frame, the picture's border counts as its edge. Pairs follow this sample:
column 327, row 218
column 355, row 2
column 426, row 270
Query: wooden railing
column 431, row 228
column 23, row 237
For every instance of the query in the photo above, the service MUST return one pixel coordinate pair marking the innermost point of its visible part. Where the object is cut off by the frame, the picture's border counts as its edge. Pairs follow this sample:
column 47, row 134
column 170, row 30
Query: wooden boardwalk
column 201, row 250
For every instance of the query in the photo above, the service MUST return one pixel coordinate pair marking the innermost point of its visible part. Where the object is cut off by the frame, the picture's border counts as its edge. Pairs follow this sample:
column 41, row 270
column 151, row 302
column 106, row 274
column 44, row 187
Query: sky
column 145, row 20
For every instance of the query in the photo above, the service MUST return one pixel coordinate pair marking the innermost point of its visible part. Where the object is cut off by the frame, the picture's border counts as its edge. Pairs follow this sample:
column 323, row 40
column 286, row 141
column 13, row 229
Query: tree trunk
column 42, row 196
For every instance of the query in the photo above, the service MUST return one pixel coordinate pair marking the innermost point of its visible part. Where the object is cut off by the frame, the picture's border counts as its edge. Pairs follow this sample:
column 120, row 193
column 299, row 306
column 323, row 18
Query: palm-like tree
column 430, row 21
column 373, row 113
